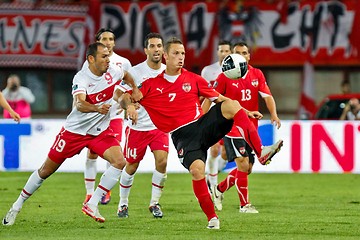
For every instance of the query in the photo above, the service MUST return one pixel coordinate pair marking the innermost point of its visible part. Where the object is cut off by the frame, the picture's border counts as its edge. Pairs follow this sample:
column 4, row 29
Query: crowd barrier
column 309, row 147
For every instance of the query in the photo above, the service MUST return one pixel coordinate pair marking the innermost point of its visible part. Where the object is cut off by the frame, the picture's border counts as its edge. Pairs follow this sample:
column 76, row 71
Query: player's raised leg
column 232, row 110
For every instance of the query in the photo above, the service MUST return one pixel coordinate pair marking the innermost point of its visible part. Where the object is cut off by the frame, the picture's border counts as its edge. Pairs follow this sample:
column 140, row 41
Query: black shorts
column 238, row 147
column 192, row 141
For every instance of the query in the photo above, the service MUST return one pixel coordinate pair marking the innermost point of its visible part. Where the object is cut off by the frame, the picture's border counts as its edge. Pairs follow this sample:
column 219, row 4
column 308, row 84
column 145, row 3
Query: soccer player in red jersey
column 86, row 126
column 172, row 101
column 245, row 90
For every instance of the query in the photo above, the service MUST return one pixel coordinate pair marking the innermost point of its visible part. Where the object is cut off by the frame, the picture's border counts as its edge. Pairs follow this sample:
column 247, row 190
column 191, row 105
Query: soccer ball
column 234, row 66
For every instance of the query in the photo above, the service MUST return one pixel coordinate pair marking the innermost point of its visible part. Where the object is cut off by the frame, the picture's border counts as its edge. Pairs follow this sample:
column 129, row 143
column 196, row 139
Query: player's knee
column 214, row 152
column 197, row 170
column 242, row 164
column 229, row 108
column 131, row 168
column 92, row 156
column 118, row 163
column 160, row 165
column 44, row 172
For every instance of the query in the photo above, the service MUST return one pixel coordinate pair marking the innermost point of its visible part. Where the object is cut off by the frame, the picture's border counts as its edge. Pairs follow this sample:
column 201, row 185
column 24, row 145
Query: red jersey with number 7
column 172, row 105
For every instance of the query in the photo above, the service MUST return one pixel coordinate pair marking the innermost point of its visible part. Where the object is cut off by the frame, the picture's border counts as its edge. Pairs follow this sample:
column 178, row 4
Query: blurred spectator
column 345, row 87
column 351, row 110
column 18, row 97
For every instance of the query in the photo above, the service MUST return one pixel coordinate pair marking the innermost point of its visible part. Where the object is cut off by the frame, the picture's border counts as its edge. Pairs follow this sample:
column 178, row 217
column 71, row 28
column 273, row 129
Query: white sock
column 126, row 181
column 33, row 183
column 213, row 170
column 109, row 178
column 221, row 163
column 90, row 175
column 158, row 182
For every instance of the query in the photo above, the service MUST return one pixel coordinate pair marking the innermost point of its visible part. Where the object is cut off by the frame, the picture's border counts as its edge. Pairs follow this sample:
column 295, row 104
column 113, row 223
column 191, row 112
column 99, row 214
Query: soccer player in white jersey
column 217, row 158
column 144, row 134
column 106, row 37
column 86, row 126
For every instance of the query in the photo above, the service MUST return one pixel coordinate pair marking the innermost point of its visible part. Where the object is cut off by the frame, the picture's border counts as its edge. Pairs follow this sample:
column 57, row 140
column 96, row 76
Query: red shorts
column 116, row 126
column 137, row 142
column 68, row 144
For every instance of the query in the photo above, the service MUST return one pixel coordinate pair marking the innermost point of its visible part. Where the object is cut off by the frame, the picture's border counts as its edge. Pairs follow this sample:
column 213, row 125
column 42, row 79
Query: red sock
column 242, row 121
column 202, row 194
column 228, row 182
column 242, row 187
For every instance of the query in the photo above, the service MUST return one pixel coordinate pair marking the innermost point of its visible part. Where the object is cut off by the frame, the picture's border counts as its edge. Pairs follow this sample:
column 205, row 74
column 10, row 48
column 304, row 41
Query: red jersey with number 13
column 172, row 105
column 245, row 90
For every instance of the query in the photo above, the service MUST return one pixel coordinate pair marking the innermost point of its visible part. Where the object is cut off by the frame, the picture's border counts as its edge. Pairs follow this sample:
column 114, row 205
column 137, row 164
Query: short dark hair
column 240, row 44
column 224, row 42
column 171, row 40
column 152, row 35
column 92, row 49
column 101, row 31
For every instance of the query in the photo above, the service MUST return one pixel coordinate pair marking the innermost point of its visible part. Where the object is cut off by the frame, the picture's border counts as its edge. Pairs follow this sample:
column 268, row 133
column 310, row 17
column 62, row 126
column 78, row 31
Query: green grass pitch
column 291, row 206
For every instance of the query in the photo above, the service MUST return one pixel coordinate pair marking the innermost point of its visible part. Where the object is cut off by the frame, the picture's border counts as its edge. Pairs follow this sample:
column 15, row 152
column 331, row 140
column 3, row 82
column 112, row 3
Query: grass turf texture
column 291, row 206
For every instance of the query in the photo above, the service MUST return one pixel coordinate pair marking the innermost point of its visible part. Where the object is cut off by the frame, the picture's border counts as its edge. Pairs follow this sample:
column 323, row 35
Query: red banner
column 279, row 34
column 283, row 33
column 49, row 36
column 194, row 23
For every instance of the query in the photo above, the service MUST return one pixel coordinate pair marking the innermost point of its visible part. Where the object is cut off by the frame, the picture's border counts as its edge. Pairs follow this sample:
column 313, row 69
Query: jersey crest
column 186, row 87
column 242, row 150
column 255, row 82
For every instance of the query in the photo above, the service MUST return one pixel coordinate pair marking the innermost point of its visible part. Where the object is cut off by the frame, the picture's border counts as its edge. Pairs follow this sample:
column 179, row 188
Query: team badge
column 75, row 87
column 255, row 82
column 186, row 87
column 242, row 150
column 181, row 155
column 181, row 152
